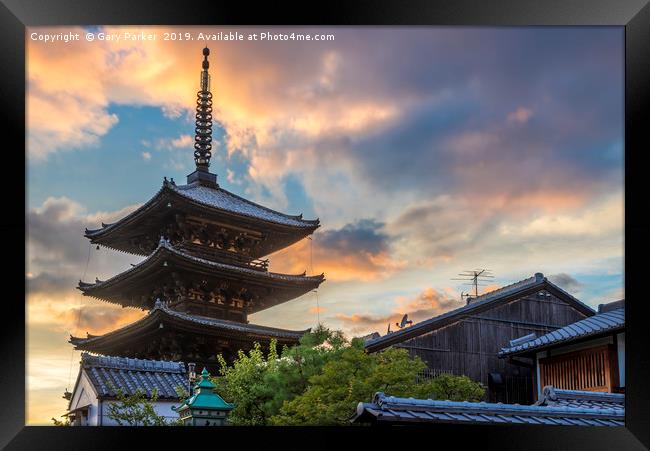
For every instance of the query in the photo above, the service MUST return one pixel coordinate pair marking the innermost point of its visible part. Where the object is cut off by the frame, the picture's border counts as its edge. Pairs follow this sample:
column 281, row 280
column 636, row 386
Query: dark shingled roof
column 227, row 201
column 577, row 399
column 538, row 281
column 110, row 374
column 160, row 311
column 214, row 198
column 595, row 325
column 289, row 285
column 165, row 246
column 390, row 409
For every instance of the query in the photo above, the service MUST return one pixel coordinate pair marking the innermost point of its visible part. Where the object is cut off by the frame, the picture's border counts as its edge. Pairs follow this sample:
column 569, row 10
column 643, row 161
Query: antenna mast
column 474, row 278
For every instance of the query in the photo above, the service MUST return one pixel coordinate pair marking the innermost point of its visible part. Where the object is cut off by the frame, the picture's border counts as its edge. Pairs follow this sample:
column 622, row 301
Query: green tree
column 321, row 380
column 258, row 385
column 355, row 376
column 455, row 388
column 65, row 422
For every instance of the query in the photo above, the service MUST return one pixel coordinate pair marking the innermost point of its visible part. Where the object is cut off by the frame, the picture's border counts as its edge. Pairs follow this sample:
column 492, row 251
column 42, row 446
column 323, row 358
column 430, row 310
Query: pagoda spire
column 203, row 137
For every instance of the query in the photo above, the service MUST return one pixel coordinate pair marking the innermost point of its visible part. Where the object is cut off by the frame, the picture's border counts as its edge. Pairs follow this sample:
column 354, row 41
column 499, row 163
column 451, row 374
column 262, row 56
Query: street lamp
column 191, row 376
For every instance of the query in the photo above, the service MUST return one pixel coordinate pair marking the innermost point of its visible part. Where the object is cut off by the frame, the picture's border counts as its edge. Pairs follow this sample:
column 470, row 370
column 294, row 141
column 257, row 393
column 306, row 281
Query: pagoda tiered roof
column 127, row 287
column 212, row 203
column 161, row 318
column 202, row 274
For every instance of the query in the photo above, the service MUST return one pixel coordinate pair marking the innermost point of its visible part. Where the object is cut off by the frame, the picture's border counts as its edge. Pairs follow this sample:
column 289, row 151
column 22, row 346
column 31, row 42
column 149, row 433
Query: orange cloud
column 261, row 90
column 336, row 265
column 427, row 304
column 359, row 251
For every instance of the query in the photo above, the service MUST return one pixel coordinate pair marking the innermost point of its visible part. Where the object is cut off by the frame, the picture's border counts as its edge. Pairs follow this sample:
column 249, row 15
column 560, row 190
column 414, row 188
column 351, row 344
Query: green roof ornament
column 204, row 407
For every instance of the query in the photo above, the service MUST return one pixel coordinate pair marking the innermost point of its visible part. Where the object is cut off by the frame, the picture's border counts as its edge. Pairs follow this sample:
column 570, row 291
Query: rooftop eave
column 165, row 249
column 160, row 313
column 171, row 189
column 531, row 351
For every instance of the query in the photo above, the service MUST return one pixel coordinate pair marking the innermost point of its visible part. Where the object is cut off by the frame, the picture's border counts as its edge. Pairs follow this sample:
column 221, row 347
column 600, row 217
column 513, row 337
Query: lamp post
column 191, row 376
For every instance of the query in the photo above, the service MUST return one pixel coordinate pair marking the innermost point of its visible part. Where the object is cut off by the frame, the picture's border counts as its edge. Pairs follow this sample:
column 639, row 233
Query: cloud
column 357, row 251
column 98, row 319
column 146, row 156
column 59, row 256
column 521, row 115
column 57, row 252
column 426, row 304
column 180, row 142
column 349, row 117
column 567, row 282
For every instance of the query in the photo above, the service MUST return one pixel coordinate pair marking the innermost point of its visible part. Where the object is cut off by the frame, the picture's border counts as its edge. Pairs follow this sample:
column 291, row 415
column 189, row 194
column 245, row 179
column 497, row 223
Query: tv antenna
column 475, row 277
column 405, row 320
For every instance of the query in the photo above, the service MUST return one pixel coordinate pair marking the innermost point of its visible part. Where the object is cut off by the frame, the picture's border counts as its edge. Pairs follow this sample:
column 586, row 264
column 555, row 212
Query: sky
column 424, row 152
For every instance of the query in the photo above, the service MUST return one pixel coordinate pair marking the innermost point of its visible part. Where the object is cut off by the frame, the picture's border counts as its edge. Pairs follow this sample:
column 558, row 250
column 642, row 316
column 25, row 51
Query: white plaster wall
column 85, row 394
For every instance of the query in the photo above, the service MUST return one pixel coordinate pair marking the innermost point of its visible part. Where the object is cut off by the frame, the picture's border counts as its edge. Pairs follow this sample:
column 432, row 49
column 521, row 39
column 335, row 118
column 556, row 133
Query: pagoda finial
column 203, row 137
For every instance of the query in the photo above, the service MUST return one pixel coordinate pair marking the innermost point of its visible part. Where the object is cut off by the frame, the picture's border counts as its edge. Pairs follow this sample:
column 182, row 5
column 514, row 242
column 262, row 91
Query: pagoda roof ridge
column 165, row 245
column 162, row 312
column 289, row 286
column 214, row 198
column 182, row 189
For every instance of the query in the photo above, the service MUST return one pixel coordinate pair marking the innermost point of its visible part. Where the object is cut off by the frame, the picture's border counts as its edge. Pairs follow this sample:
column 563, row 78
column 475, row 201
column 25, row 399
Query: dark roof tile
column 594, row 325
column 397, row 410
column 109, row 374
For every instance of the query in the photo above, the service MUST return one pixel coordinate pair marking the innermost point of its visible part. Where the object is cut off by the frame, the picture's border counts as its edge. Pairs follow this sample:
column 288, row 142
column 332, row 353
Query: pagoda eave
column 163, row 320
column 166, row 263
column 216, row 207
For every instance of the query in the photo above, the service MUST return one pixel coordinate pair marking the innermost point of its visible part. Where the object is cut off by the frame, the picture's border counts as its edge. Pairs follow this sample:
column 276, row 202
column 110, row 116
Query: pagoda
column 204, row 270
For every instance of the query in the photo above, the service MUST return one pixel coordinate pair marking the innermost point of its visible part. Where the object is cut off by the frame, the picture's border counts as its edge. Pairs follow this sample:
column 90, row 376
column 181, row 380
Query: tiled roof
column 217, row 198
column 594, row 325
column 110, row 374
column 211, row 323
column 391, row 409
column 165, row 246
column 205, row 396
column 233, row 325
column 225, row 200
column 478, row 303
column 555, row 397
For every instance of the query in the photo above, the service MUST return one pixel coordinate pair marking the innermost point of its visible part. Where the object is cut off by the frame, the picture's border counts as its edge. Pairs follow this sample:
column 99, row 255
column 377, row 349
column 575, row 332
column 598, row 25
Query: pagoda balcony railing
column 220, row 255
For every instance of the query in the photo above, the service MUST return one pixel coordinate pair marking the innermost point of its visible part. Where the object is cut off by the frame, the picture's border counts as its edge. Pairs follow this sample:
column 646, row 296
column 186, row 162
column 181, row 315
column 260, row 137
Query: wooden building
column 588, row 355
column 466, row 341
column 205, row 270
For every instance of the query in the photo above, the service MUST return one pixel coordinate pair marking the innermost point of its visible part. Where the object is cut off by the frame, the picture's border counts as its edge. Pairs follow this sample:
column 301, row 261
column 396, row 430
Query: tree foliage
column 65, row 422
column 137, row 410
column 320, row 381
column 259, row 384
column 455, row 388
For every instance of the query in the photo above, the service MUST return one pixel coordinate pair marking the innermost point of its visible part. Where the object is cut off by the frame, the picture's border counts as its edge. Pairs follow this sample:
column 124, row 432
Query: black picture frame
column 634, row 15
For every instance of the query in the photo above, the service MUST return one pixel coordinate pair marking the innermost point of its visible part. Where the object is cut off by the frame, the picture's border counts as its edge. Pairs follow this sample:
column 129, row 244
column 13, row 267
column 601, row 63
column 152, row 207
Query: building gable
column 489, row 303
